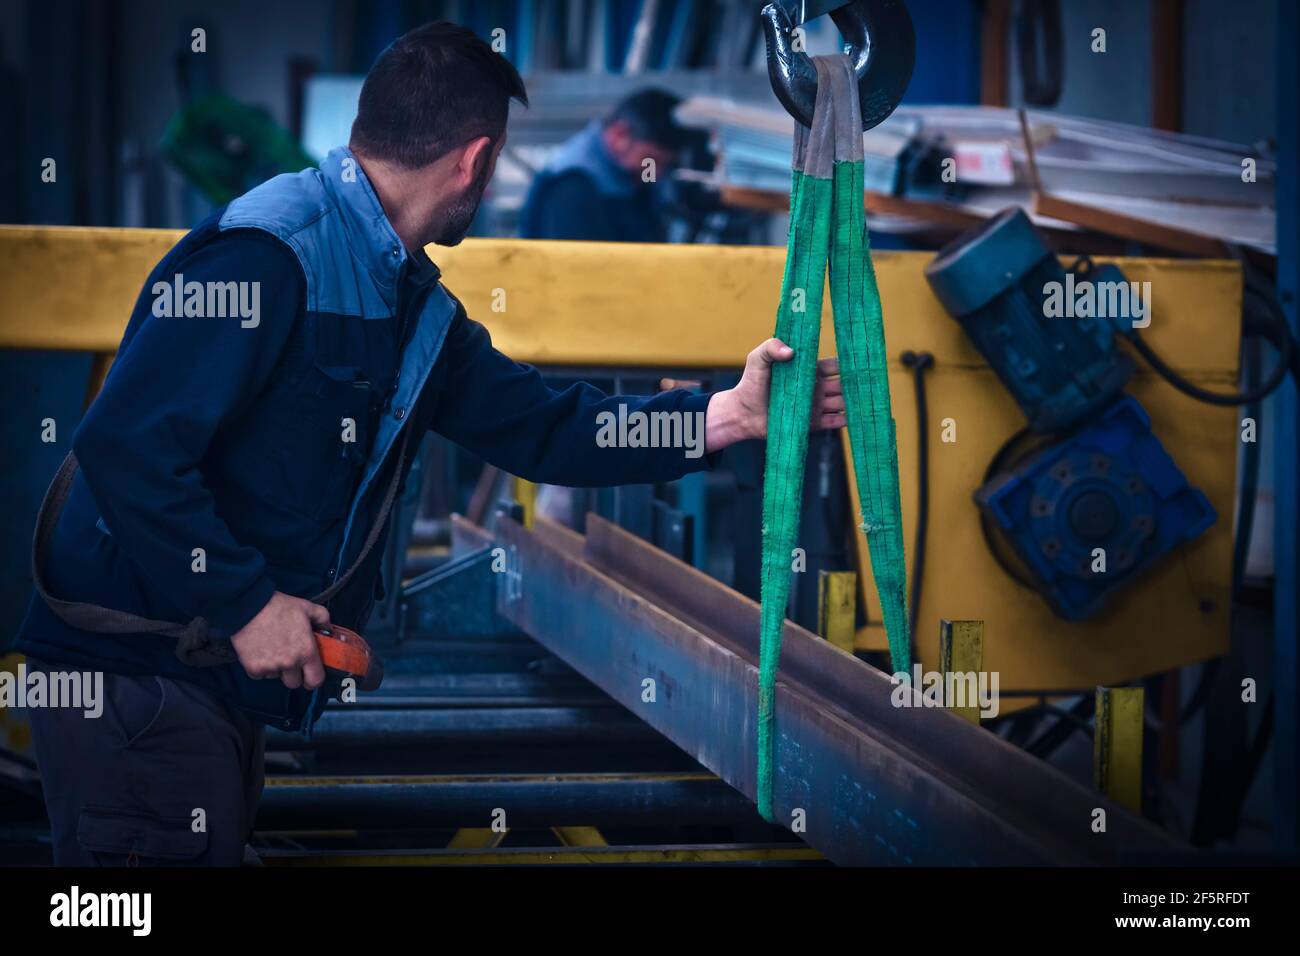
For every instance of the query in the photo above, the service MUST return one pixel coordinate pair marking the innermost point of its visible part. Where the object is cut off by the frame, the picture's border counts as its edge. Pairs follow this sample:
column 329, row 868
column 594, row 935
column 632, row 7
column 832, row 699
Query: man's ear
column 473, row 158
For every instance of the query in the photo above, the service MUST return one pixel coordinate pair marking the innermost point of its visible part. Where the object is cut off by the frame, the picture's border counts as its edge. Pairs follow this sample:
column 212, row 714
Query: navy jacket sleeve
column 570, row 207
column 580, row 437
column 174, row 384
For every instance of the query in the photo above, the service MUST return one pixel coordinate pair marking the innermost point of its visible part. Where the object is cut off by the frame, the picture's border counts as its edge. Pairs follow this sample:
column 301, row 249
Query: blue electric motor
column 1059, row 369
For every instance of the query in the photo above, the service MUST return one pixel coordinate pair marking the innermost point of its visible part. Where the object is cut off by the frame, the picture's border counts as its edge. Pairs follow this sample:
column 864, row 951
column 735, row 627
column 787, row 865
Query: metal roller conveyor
column 543, row 800
column 368, row 727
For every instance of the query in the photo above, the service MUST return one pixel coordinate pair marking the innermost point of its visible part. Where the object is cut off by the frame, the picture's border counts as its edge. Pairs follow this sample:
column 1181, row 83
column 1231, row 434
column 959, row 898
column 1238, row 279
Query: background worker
column 606, row 183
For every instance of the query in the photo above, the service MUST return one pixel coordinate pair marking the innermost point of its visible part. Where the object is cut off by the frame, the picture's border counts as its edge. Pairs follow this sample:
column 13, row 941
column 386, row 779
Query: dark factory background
column 98, row 81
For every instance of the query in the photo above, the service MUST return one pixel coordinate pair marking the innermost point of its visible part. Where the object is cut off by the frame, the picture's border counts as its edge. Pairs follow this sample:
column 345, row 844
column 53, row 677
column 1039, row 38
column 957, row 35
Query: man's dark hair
column 433, row 89
column 648, row 114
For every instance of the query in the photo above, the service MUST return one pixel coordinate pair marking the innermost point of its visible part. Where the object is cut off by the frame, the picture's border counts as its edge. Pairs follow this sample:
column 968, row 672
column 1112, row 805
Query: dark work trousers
column 167, row 775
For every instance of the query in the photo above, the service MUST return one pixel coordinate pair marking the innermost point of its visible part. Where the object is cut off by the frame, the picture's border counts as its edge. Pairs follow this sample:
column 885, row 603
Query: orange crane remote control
column 345, row 653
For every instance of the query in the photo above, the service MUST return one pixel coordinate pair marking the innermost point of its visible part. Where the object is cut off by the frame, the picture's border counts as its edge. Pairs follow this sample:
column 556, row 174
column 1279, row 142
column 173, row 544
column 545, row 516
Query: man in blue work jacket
column 241, row 448
column 605, row 183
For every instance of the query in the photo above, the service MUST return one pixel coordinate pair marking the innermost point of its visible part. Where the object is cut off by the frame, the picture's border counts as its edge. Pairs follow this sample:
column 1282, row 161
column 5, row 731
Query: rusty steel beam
column 863, row 781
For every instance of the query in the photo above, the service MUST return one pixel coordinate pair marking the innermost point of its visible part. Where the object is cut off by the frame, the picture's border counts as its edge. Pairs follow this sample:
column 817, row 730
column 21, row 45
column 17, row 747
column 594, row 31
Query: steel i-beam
column 859, row 778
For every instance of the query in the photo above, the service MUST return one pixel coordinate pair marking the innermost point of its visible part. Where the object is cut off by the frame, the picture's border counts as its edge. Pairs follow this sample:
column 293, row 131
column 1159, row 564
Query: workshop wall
column 1229, row 69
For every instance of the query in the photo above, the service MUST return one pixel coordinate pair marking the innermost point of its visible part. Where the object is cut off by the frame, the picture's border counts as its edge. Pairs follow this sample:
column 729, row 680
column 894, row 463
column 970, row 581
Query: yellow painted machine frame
column 706, row 307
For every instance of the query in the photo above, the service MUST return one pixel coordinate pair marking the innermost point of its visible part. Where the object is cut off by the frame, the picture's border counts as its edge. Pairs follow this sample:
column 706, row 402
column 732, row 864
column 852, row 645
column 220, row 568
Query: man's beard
column 461, row 215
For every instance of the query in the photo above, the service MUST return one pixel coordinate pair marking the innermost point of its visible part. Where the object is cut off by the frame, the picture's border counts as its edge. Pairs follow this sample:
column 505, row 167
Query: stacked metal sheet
column 1202, row 186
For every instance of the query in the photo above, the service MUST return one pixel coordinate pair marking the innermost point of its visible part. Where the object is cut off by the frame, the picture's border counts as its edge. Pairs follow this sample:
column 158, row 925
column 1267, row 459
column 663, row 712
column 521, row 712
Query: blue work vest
column 334, row 222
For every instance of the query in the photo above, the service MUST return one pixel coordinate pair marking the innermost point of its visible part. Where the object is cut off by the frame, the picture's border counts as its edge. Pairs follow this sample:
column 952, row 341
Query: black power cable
column 1287, row 352
column 918, row 362
column 1250, row 464
column 1262, row 317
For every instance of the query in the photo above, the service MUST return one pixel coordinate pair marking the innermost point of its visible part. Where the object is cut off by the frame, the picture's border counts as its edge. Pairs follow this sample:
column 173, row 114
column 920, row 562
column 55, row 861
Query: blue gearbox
column 1089, row 513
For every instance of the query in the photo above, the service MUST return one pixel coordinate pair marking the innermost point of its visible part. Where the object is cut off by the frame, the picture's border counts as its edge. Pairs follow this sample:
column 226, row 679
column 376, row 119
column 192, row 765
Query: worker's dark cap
column 649, row 115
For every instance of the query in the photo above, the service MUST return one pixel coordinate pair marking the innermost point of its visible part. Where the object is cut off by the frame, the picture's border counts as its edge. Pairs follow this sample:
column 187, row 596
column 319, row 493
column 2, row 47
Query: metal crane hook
column 880, row 41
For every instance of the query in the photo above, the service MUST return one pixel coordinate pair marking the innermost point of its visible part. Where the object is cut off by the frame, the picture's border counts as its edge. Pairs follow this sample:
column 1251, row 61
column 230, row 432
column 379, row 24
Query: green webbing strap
column 827, row 221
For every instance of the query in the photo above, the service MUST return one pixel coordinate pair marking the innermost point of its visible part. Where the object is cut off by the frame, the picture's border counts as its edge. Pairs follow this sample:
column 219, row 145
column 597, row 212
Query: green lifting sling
column 828, row 226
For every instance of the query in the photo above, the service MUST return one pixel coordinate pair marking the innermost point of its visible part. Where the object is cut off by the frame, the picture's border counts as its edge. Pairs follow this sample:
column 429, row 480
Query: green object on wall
column 225, row 148
column 828, row 228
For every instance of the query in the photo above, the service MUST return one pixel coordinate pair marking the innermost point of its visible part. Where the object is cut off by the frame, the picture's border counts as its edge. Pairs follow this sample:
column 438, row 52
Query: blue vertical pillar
column 1286, row 536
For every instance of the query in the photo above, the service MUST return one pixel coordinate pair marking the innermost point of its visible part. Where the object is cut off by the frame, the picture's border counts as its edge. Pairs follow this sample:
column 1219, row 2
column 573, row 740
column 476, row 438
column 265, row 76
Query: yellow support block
column 961, row 651
column 1117, row 745
column 525, row 492
column 15, row 732
column 476, row 838
column 579, row 836
column 837, row 606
